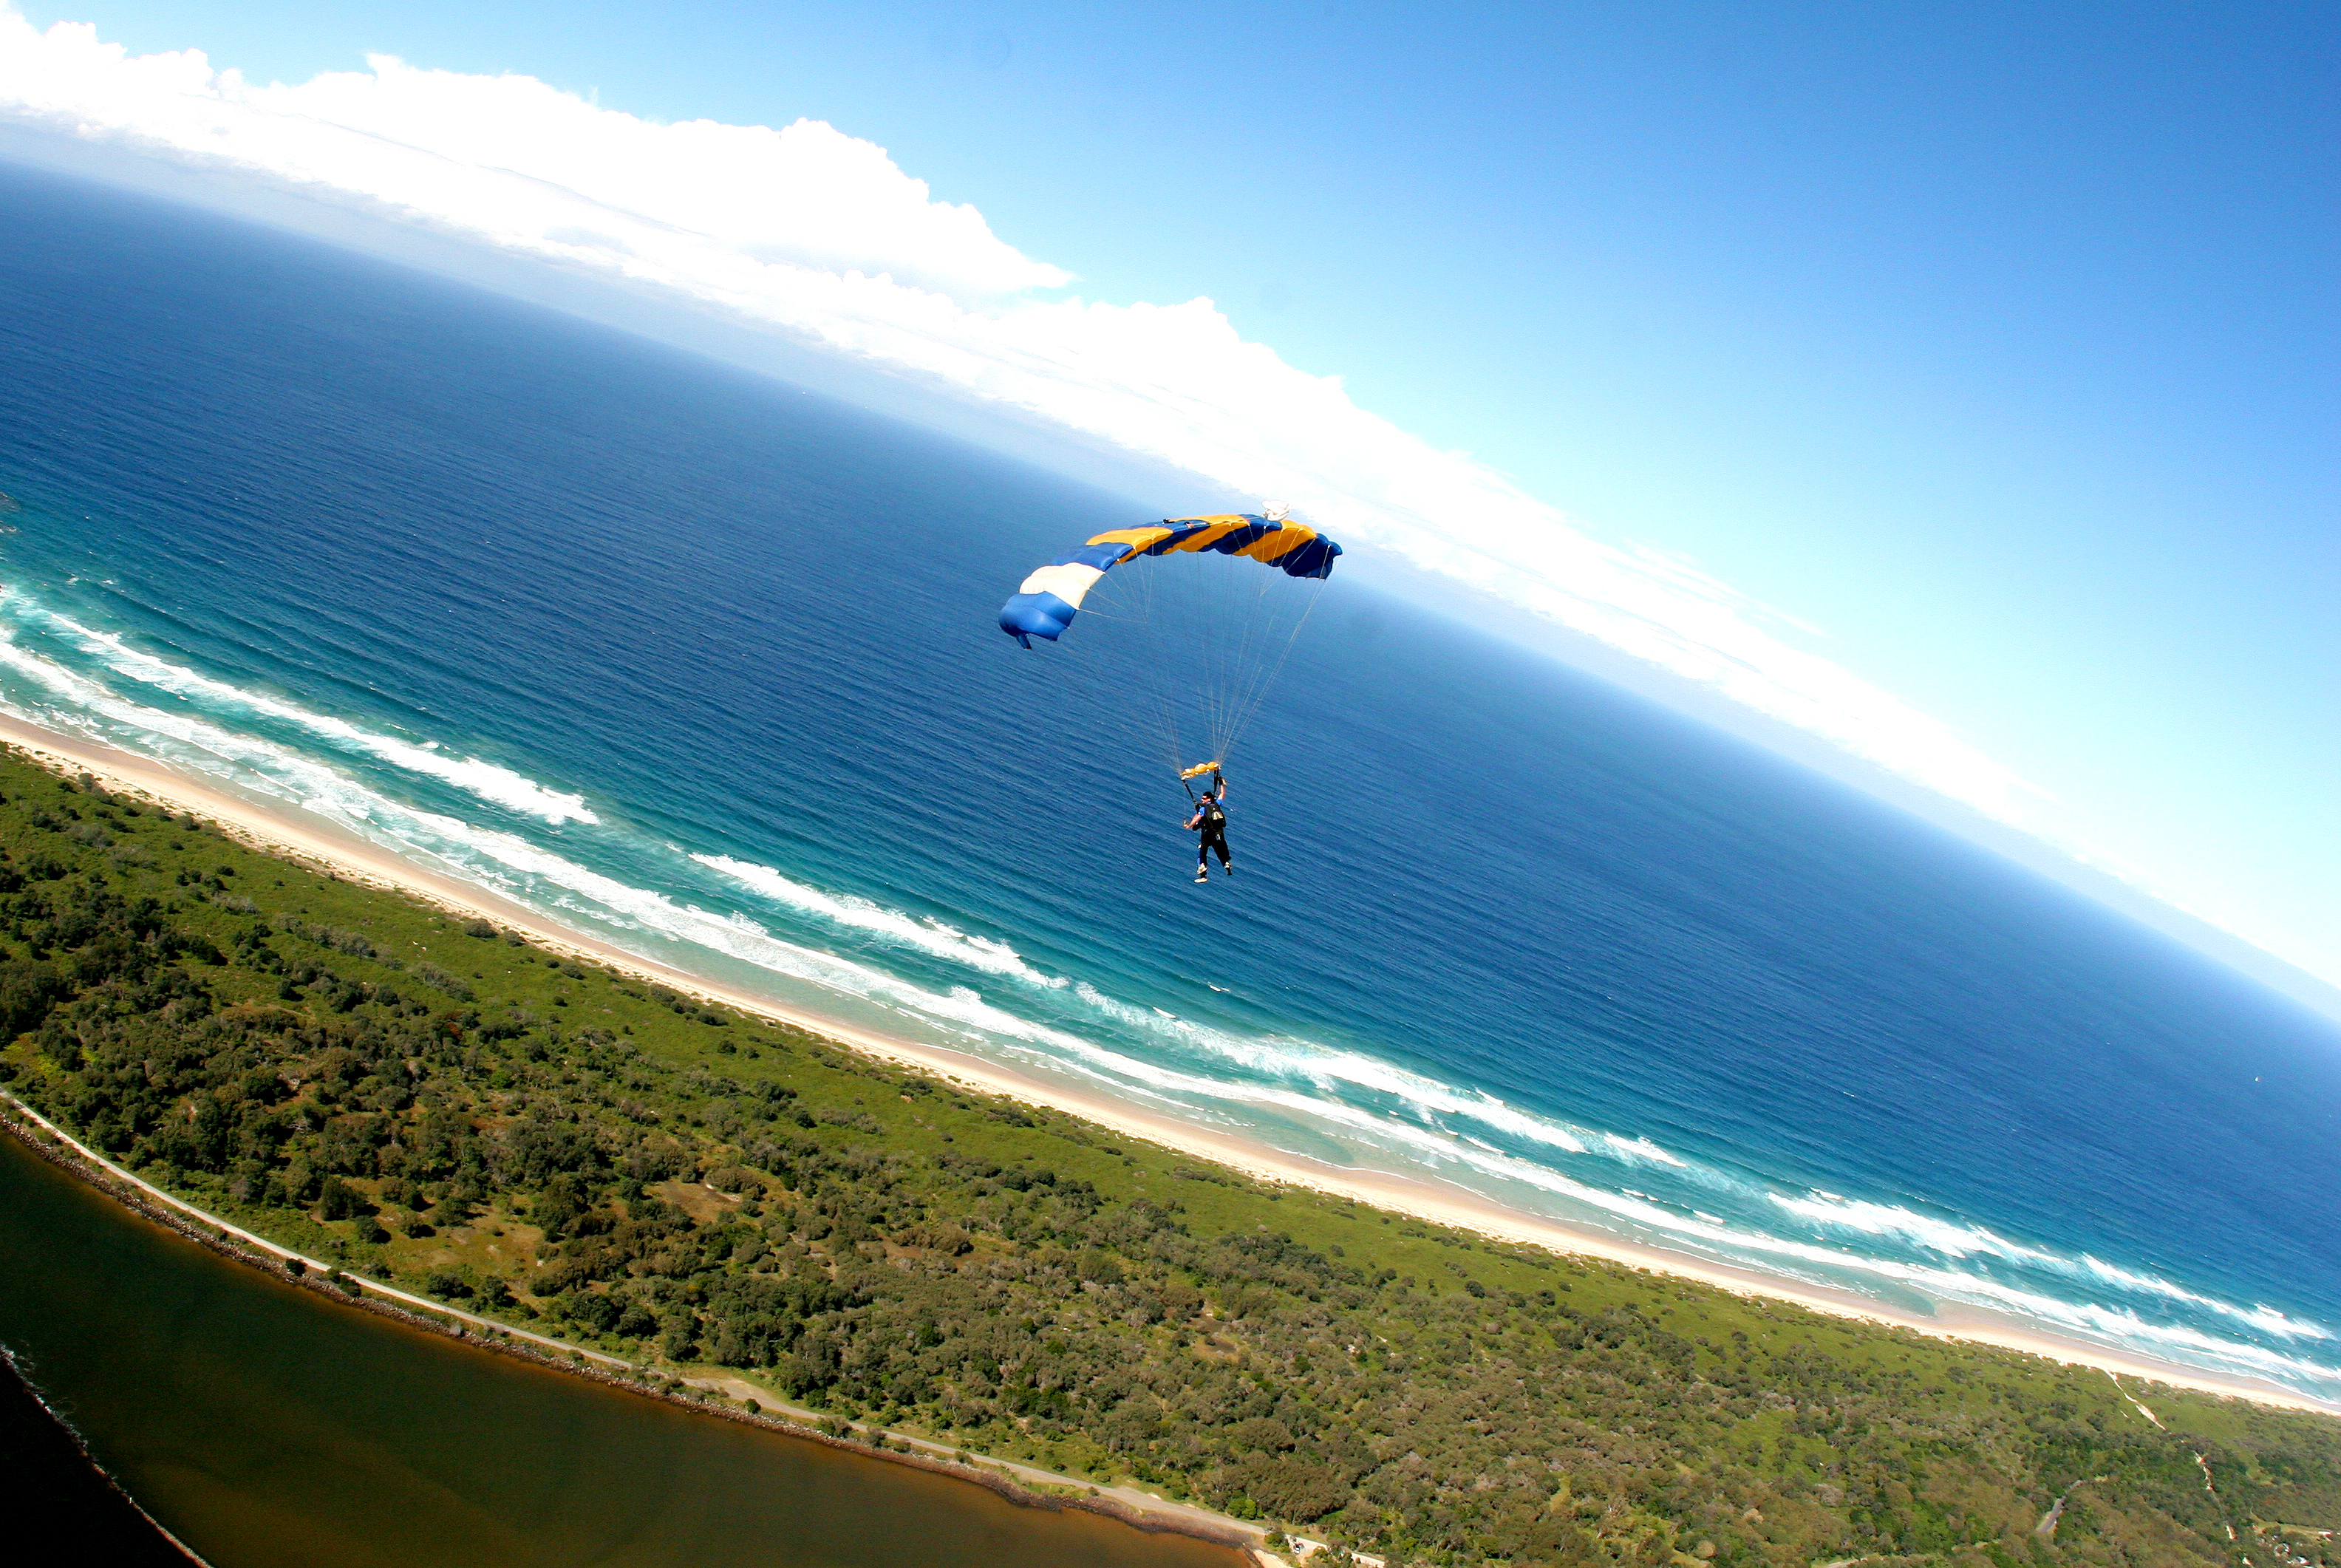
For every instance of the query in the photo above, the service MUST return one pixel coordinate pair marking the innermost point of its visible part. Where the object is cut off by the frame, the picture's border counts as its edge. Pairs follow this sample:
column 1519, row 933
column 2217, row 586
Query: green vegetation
column 426, row 1100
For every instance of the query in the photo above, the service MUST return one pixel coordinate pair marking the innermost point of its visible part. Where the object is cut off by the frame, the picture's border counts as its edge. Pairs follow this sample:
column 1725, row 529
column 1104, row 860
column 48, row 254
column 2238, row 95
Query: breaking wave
column 755, row 924
column 931, row 935
column 498, row 785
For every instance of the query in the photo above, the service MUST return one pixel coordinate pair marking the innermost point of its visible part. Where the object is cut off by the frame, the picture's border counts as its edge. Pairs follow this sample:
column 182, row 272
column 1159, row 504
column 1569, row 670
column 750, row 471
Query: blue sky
column 1996, row 342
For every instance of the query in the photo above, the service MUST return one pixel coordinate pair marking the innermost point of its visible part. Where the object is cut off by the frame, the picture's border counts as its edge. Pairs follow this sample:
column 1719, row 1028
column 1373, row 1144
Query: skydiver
column 1210, row 820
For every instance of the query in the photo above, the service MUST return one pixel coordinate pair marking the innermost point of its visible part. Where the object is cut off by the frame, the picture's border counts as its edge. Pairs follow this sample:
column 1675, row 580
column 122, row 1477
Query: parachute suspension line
column 1221, row 651
column 1257, row 625
column 1256, row 629
column 1205, row 647
column 1232, row 601
column 1164, row 698
column 1241, row 629
column 1239, row 661
column 1196, row 673
column 1184, row 676
column 1265, row 678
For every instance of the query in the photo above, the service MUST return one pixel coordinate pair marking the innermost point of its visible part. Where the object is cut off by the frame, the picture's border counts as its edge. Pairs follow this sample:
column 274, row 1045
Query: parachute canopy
column 1046, row 602
column 1193, row 645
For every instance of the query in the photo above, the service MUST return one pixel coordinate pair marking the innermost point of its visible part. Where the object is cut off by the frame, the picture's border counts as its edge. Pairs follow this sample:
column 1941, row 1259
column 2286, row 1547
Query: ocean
column 705, row 665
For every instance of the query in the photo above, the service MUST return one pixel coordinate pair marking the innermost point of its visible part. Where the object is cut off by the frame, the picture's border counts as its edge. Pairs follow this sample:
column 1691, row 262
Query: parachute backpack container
column 1206, row 609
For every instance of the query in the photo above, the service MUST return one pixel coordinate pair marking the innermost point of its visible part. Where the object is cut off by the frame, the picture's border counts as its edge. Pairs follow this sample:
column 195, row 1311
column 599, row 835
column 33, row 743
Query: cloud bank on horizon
column 820, row 236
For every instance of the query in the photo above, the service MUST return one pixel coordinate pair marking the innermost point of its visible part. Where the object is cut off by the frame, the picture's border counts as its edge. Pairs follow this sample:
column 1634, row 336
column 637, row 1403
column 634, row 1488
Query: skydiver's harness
column 1215, row 816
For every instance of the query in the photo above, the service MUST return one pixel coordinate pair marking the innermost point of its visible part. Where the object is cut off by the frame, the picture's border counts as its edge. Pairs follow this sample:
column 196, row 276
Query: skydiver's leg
column 1220, row 842
column 1202, row 860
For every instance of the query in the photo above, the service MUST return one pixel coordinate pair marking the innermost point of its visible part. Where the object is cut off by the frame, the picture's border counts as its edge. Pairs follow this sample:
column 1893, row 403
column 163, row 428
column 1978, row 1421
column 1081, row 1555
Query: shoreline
column 277, row 829
column 712, row 1396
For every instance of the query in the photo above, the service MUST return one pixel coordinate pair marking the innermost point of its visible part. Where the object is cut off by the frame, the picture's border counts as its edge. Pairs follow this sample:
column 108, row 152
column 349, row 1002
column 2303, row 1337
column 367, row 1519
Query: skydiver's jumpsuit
column 1210, row 821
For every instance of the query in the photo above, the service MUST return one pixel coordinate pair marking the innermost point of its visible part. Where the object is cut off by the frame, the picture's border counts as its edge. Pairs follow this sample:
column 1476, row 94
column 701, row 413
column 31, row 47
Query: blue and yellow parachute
column 1046, row 601
column 1197, row 644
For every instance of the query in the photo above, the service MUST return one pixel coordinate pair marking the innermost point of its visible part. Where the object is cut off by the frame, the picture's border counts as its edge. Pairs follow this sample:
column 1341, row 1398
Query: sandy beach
column 289, row 831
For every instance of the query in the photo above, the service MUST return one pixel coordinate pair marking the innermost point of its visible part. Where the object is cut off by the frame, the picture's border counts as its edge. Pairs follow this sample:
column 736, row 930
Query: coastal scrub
column 428, row 1100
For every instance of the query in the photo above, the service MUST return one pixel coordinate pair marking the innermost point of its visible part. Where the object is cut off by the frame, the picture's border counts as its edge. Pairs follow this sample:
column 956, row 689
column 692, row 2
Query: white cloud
column 818, row 234
column 700, row 204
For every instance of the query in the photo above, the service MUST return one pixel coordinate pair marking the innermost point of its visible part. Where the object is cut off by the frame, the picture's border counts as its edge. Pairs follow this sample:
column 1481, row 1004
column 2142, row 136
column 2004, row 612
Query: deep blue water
column 705, row 665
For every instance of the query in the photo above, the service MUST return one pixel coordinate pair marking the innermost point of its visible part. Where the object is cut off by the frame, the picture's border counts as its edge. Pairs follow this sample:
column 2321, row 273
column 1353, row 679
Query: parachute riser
column 1187, row 774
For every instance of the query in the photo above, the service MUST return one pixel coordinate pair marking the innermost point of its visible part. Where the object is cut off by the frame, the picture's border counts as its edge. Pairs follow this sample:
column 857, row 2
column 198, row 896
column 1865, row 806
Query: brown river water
column 265, row 1425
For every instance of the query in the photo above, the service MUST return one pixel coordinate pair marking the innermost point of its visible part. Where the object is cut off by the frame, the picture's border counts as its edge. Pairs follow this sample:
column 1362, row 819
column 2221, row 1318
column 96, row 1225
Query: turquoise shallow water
column 705, row 665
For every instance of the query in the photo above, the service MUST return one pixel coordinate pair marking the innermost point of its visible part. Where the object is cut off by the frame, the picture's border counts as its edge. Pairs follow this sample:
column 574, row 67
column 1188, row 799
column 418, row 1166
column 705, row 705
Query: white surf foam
column 488, row 780
column 925, row 933
column 1427, row 1146
column 1288, row 1078
column 1330, row 1070
column 1949, row 1237
column 1958, row 1239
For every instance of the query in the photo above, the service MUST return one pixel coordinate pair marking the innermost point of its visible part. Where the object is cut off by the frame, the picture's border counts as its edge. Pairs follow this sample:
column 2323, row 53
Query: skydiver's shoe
column 1227, row 870
column 1202, row 876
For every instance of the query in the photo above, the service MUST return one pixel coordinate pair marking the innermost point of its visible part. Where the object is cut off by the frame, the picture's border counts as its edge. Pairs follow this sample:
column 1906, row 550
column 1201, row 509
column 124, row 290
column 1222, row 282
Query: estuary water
column 266, row 1426
column 704, row 665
